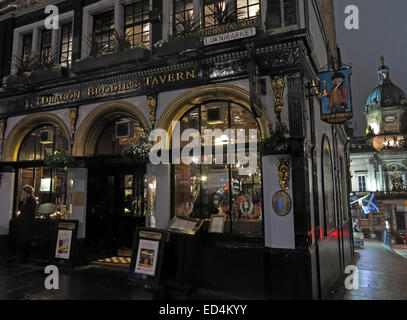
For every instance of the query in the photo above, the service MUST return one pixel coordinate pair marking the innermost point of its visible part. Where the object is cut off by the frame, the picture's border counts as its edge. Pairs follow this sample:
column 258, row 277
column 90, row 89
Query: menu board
column 185, row 225
column 147, row 256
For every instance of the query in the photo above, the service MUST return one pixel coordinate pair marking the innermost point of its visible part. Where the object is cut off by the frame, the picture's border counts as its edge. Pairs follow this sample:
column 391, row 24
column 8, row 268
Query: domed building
column 386, row 112
column 379, row 160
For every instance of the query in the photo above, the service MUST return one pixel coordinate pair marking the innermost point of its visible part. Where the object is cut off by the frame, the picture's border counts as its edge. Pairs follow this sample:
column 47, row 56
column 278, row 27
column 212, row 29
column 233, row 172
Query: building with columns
column 379, row 160
column 122, row 68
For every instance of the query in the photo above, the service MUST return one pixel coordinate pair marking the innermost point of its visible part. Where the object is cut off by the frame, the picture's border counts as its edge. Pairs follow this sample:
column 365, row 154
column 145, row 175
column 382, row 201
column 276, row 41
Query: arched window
column 328, row 187
column 50, row 184
column 42, row 141
column 201, row 190
column 110, row 143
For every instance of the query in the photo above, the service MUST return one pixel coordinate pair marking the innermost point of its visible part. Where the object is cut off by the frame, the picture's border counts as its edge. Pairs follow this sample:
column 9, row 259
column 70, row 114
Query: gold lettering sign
column 114, row 88
column 212, row 31
column 150, row 235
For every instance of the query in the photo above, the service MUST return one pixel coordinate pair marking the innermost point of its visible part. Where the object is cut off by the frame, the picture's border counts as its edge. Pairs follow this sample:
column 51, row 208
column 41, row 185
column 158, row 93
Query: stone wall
column 326, row 9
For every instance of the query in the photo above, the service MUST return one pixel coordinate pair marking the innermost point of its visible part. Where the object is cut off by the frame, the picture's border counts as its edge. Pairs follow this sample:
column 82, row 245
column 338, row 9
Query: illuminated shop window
column 103, row 29
column 66, row 45
column 50, row 184
column 136, row 23
column 201, row 190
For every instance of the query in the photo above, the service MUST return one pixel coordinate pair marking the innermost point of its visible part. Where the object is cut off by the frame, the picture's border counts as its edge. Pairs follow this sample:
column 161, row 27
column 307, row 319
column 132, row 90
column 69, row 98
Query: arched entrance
column 28, row 143
column 116, row 200
column 203, row 190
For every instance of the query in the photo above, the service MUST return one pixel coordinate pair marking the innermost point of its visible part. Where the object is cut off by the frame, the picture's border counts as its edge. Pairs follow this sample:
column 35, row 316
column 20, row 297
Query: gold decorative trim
column 278, row 85
column 73, row 115
column 152, row 107
column 284, row 173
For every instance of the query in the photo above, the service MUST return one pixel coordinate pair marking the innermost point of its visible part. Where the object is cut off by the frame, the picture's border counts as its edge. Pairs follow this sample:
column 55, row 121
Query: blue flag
column 369, row 204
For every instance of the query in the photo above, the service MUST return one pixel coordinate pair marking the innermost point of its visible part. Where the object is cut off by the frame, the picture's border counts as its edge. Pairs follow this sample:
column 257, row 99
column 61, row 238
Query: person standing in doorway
column 25, row 223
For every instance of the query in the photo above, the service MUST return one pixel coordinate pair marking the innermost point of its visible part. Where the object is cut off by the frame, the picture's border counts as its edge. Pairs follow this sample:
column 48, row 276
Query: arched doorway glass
column 116, row 192
column 50, row 184
column 201, row 190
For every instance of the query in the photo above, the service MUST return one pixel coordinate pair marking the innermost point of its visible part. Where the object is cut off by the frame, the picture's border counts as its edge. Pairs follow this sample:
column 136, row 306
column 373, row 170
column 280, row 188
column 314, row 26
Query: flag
column 369, row 204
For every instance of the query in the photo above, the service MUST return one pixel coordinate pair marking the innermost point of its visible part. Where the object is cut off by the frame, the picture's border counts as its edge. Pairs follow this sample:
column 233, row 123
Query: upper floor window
column 136, row 23
column 217, row 12
column 27, row 45
column 183, row 16
column 46, row 43
column 66, row 45
column 281, row 13
column 247, row 9
column 362, row 183
column 103, row 29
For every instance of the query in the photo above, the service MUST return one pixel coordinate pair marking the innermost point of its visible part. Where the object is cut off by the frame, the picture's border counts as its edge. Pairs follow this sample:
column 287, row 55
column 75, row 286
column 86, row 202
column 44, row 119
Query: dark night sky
column 382, row 32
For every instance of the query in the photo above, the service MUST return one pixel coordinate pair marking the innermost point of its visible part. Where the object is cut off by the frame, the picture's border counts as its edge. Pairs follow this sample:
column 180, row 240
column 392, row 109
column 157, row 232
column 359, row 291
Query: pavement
column 382, row 275
column 401, row 249
column 26, row 282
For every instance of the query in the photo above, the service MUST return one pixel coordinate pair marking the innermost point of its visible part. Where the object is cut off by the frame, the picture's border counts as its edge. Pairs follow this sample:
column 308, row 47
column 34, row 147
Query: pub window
column 183, row 15
column 136, row 23
column 50, row 184
column 201, row 190
column 362, row 183
column 110, row 144
column 247, row 9
column 328, row 187
column 46, row 43
column 27, row 45
column 209, row 8
column 103, row 29
column 66, row 45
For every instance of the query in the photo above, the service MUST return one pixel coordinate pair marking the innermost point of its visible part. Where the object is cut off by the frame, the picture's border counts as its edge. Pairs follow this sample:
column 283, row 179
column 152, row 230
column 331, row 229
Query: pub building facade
column 234, row 64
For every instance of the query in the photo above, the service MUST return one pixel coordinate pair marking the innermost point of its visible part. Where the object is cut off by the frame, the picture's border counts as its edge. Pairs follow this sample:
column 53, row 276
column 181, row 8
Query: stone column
column 6, row 200
column 77, row 192
column 163, row 193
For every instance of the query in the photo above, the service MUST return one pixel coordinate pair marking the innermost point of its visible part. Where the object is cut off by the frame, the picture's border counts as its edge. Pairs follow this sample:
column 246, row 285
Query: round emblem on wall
column 281, row 203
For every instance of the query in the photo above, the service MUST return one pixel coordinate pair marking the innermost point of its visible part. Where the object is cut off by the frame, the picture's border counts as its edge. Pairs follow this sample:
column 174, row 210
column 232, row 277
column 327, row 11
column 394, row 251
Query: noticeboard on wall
column 147, row 256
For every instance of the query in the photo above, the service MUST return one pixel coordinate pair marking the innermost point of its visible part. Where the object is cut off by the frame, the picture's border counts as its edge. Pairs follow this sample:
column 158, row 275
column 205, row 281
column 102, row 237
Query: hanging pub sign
column 147, row 256
column 335, row 90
